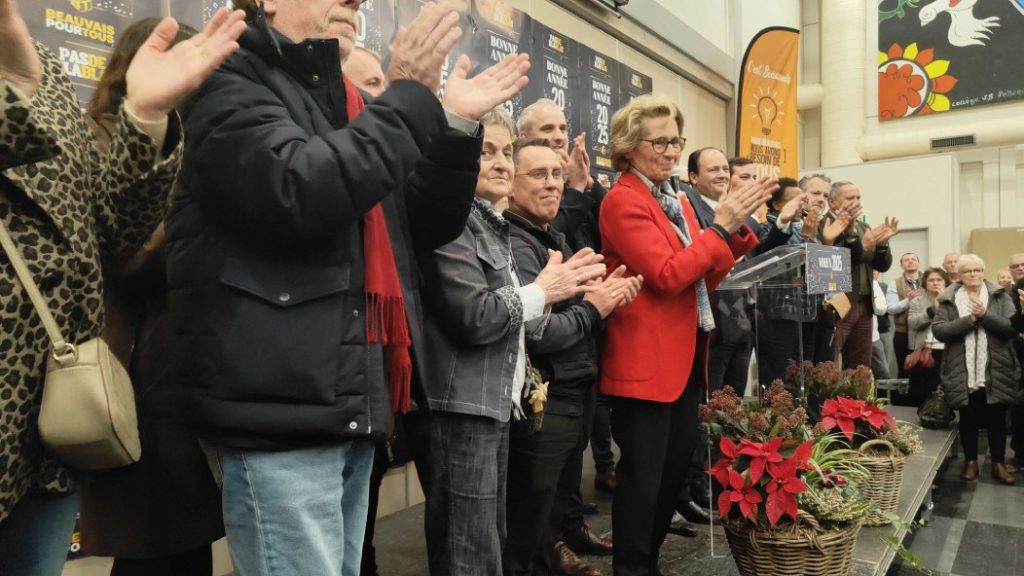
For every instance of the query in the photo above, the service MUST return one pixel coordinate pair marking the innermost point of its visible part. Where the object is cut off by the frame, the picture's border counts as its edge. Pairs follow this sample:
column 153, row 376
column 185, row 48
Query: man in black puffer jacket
column 292, row 241
column 562, row 347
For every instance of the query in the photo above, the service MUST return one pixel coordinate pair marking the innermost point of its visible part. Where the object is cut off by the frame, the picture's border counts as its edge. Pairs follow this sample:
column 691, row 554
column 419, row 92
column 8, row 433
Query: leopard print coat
column 68, row 207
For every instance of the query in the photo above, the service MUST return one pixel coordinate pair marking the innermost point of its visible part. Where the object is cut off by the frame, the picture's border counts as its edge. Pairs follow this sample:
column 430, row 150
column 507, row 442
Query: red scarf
column 385, row 306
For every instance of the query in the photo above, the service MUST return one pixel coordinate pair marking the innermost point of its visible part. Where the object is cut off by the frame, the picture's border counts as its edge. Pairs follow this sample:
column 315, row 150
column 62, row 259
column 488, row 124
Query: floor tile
column 988, row 549
column 998, row 504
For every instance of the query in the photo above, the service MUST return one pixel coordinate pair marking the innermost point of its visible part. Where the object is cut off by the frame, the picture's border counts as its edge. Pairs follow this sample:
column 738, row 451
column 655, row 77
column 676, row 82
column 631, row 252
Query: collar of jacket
column 485, row 210
column 549, row 237
column 313, row 62
column 947, row 294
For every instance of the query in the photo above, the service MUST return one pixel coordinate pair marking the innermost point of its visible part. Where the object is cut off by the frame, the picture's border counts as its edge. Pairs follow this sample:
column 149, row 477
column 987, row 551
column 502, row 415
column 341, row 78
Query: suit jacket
column 650, row 344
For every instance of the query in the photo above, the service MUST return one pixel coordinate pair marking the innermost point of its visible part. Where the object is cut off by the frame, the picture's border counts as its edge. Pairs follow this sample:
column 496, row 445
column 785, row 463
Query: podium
column 781, row 292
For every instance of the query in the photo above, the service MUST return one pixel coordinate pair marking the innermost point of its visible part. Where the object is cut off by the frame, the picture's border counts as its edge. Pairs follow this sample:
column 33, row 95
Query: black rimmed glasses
column 661, row 144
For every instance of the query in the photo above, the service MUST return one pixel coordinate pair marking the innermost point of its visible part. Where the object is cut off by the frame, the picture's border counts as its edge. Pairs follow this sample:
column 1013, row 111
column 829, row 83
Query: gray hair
column 807, row 180
column 837, row 187
column 498, row 116
column 526, row 116
column 966, row 259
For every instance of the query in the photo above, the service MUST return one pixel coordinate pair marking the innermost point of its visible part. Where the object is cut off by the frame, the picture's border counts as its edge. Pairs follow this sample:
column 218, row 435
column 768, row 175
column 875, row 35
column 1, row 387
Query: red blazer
column 649, row 345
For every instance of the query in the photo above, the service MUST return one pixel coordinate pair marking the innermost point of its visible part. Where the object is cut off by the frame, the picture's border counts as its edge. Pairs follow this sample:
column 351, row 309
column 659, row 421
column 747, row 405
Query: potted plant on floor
column 789, row 501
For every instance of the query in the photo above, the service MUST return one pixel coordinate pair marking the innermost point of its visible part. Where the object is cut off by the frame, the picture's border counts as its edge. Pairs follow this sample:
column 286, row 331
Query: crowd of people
column 297, row 252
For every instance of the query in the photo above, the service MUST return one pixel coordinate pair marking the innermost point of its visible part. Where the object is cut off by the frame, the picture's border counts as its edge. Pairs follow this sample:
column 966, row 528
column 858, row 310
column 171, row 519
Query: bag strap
column 63, row 352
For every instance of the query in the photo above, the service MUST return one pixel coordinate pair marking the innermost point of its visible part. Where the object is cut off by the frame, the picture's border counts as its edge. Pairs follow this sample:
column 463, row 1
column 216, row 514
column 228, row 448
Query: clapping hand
column 735, row 206
column 473, row 97
column 158, row 78
column 976, row 308
column 793, row 209
column 562, row 280
column 578, row 168
column 419, row 50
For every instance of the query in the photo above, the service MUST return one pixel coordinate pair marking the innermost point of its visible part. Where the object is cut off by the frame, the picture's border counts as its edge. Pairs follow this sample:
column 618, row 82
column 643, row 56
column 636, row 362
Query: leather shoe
column 681, row 527
column 583, row 541
column 563, row 561
column 1000, row 473
column 1011, row 464
column 694, row 513
column 589, row 508
column 970, row 470
column 605, row 480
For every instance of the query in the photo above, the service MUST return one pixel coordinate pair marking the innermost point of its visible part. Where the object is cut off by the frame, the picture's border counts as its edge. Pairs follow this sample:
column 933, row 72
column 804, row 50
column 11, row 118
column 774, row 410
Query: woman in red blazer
column 648, row 364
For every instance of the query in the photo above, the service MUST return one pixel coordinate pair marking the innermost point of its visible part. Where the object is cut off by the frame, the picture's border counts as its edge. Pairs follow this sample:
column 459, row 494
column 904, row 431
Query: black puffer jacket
column 566, row 351
column 265, row 262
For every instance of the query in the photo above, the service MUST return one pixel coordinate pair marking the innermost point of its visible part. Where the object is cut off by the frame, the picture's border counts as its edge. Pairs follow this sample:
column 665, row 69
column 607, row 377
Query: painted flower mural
column 912, row 82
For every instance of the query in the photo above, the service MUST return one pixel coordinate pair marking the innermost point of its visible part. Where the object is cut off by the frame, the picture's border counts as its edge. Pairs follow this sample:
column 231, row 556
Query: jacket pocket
column 280, row 331
column 492, row 254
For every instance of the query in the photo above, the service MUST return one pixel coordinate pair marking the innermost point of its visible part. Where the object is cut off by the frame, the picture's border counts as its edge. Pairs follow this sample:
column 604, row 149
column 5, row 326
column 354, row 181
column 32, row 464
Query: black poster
column 939, row 56
column 494, row 33
column 632, row 84
column 599, row 99
column 405, row 12
column 554, row 70
column 375, row 26
column 196, row 13
column 82, row 33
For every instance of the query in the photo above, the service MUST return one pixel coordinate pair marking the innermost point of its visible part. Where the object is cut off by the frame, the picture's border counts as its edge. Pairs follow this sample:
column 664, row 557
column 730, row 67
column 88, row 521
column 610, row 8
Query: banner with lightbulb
column 766, row 117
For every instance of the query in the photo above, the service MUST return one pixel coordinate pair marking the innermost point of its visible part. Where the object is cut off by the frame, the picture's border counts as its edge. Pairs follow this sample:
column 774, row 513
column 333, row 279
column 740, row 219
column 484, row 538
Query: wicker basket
column 885, row 477
column 799, row 549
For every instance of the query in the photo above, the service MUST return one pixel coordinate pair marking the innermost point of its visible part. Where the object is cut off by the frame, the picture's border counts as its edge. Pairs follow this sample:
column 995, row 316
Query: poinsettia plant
column 755, row 472
column 770, row 461
column 855, row 417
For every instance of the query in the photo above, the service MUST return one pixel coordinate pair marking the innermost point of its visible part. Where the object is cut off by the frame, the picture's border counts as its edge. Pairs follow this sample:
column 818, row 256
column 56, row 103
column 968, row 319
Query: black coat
column 565, row 353
column 265, row 265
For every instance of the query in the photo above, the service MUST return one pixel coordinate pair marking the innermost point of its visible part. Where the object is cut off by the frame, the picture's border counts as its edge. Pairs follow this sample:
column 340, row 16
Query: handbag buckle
column 66, row 354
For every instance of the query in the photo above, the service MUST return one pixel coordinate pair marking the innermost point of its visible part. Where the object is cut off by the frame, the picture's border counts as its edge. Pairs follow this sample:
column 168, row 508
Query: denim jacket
column 473, row 319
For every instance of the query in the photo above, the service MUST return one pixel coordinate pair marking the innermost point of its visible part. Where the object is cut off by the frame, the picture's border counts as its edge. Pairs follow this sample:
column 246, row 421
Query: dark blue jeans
column 34, row 538
column 465, row 515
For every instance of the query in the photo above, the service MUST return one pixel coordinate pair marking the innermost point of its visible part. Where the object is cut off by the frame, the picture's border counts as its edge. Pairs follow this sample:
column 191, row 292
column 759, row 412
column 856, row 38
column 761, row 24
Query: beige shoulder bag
column 87, row 418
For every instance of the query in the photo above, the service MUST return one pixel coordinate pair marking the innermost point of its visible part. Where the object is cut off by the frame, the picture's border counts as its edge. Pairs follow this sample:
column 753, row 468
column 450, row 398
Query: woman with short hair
column 653, row 362
column 980, row 373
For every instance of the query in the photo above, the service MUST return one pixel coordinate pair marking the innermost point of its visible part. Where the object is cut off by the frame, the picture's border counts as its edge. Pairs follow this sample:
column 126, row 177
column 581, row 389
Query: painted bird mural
column 964, row 28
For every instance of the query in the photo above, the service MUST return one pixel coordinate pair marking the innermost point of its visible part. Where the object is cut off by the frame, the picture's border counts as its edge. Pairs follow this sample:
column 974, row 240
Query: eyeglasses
column 540, row 174
column 661, row 144
column 973, row 271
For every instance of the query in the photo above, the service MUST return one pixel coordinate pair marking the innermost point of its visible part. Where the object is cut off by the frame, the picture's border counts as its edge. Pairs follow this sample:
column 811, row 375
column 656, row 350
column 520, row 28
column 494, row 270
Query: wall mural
column 942, row 55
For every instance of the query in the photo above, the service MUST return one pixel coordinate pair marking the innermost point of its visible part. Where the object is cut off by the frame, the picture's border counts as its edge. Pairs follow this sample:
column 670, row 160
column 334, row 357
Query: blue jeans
column 34, row 538
column 297, row 511
column 465, row 515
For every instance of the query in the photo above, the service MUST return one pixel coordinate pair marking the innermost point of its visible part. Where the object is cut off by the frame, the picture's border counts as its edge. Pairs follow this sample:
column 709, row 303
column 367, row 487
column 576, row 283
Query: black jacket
column 565, row 352
column 265, row 262
column 577, row 217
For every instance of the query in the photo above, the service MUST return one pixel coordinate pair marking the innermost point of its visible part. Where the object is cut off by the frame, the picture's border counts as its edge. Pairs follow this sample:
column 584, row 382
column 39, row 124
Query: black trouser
column 924, row 382
column 778, row 342
column 656, row 441
column 197, row 562
column 601, row 433
column 900, row 344
column 417, row 442
column 977, row 414
column 1017, row 437
column 729, row 364
column 569, row 499
column 537, row 463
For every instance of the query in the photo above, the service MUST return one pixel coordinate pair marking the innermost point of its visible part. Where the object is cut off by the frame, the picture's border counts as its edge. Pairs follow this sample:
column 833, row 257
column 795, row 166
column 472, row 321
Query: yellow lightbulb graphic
column 767, row 110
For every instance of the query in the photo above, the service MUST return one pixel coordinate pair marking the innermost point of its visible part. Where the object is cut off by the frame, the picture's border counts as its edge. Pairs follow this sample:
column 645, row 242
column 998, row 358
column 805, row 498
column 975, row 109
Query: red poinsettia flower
column 782, row 489
column 847, row 412
column 761, row 454
column 720, row 471
column 741, row 493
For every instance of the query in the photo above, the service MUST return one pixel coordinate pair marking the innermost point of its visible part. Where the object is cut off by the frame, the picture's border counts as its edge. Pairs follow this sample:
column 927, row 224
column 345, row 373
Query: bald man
column 364, row 70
